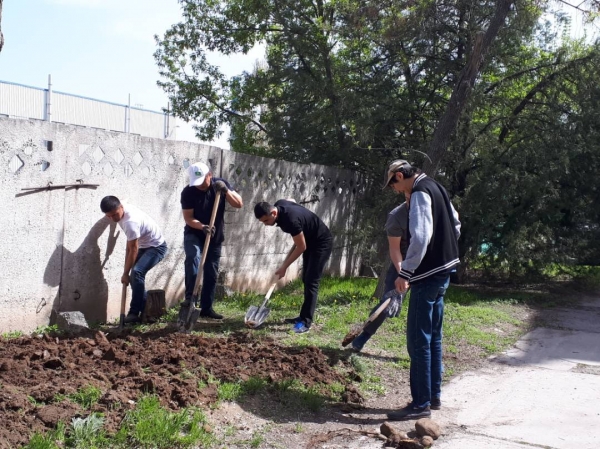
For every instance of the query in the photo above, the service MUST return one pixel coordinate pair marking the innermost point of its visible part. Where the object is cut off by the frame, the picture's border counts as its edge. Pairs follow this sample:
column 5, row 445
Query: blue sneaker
column 300, row 328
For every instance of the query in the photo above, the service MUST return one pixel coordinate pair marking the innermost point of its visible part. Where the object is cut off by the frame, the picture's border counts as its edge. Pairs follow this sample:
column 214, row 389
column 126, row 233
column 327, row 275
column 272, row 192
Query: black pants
column 314, row 260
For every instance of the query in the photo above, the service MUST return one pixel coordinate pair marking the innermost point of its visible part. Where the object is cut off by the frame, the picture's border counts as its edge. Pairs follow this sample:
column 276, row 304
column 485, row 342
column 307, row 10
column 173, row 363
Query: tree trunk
column 458, row 100
column 460, row 95
column 1, row 35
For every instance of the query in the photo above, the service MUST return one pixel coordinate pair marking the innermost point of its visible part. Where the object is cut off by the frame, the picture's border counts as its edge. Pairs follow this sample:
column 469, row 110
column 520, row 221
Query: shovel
column 188, row 315
column 123, row 300
column 256, row 316
column 357, row 329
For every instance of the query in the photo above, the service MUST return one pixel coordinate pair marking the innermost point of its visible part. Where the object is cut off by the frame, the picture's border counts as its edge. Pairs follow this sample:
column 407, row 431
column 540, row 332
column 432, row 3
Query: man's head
column 200, row 175
column 398, row 176
column 112, row 208
column 266, row 213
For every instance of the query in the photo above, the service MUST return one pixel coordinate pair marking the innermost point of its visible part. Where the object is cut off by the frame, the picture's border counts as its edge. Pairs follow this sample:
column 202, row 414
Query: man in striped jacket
column 432, row 255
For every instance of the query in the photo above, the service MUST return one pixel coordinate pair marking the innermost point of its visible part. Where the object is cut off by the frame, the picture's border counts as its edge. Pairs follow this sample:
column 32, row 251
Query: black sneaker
column 436, row 404
column 210, row 313
column 409, row 412
column 132, row 318
column 292, row 320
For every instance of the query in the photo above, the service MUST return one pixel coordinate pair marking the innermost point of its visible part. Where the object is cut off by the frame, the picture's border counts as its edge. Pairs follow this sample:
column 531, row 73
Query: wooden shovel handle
column 206, row 245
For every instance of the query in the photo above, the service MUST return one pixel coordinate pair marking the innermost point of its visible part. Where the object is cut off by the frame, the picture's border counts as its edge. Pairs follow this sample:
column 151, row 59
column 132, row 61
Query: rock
column 97, row 353
column 427, row 441
column 109, row 355
column 101, row 339
column 409, row 443
column 393, row 435
column 71, row 322
column 428, row 427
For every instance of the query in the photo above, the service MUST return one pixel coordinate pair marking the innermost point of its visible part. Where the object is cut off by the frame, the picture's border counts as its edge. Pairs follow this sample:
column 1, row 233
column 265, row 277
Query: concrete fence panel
column 61, row 254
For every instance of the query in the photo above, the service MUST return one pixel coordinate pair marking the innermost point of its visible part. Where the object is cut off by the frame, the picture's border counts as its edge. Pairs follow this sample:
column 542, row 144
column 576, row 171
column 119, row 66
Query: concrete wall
column 59, row 252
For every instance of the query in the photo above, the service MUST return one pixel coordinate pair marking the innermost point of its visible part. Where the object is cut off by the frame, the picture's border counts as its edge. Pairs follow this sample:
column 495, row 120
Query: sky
column 101, row 49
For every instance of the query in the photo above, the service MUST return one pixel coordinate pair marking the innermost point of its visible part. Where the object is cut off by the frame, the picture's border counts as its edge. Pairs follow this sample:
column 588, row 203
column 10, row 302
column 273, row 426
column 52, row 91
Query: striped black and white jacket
column 434, row 230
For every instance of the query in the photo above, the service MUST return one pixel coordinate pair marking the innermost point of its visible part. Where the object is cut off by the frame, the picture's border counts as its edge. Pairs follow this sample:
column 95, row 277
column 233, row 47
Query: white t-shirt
column 138, row 225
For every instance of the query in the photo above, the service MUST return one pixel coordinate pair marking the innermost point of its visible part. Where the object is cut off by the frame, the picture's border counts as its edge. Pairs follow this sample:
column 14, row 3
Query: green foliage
column 51, row 440
column 47, row 329
column 86, row 396
column 87, row 433
column 152, row 426
column 354, row 84
column 12, row 334
column 229, row 391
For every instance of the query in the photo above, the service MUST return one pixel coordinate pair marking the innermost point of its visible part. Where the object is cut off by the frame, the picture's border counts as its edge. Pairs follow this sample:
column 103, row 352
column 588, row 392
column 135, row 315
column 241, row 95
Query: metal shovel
column 255, row 316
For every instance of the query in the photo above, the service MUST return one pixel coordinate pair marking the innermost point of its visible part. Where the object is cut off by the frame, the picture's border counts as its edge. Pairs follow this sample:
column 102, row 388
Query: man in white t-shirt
column 145, row 248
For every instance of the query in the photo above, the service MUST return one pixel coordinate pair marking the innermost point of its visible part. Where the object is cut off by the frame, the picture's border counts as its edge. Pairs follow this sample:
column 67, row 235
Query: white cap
column 197, row 172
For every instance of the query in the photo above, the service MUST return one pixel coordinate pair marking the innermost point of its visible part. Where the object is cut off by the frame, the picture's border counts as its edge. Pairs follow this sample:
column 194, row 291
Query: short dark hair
column 109, row 203
column 408, row 171
column 261, row 209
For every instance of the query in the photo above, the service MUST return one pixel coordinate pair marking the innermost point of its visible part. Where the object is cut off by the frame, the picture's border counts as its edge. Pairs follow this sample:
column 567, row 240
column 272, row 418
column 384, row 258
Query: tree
column 1, row 35
column 355, row 83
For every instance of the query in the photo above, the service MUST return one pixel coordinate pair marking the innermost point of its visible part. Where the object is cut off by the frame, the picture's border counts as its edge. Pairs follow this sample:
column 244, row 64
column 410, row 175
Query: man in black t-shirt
column 197, row 202
column 312, row 239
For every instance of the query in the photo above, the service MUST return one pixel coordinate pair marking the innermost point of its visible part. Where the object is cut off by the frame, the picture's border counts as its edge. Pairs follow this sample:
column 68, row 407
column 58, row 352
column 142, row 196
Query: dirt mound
column 35, row 373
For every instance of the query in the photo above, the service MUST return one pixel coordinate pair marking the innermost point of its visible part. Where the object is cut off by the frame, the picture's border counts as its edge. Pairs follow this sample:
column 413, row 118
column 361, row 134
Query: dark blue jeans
column 146, row 259
column 424, row 338
column 193, row 246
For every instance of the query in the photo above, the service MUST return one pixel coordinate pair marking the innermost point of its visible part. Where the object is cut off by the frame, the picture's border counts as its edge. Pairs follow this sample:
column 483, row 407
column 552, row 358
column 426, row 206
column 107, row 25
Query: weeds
column 150, row 425
column 86, row 397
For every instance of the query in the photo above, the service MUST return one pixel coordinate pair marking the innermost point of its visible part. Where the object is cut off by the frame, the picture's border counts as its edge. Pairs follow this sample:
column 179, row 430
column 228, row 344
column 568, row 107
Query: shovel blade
column 256, row 316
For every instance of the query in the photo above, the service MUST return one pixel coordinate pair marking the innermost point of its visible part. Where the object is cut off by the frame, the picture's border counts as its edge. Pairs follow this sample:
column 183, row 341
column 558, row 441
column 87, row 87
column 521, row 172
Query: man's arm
column 300, row 243
column 234, row 199
column 395, row 254
column 188, row 216
column 421, row 230
column 130, row 257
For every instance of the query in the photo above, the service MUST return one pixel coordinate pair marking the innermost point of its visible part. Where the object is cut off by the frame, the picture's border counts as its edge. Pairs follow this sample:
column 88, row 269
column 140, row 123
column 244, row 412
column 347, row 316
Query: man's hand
column 280, row 272
column 208, row 229
column 401, row 285
column 221, row 187
column 125, row 279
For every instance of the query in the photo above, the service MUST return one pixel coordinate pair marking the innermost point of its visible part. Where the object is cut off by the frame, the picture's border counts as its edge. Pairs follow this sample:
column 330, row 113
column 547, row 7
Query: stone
column 71, row 322
column 409, row 443
column 428, row 427
column 427, row 441
column 393, row 435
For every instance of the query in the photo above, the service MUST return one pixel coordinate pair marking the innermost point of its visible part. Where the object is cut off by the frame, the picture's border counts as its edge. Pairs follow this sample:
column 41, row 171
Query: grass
column 86, row 396
column 477, row 322
column 149, row 425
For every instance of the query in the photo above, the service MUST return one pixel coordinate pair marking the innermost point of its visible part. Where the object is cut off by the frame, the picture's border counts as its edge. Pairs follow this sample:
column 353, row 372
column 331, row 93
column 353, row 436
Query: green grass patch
column 86, row 396
column 153, row 426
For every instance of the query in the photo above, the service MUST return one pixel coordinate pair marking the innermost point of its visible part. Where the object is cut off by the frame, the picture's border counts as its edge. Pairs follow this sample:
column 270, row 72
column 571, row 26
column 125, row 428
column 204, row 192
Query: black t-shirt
column 294, row 219
column 202, row 203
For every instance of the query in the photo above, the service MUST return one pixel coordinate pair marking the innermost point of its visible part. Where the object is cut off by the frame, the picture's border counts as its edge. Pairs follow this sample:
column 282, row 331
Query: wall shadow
column 79, row 274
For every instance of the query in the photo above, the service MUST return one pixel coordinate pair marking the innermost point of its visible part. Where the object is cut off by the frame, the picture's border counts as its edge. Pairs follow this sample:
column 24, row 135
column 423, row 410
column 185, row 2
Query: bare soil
column 34, row 372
